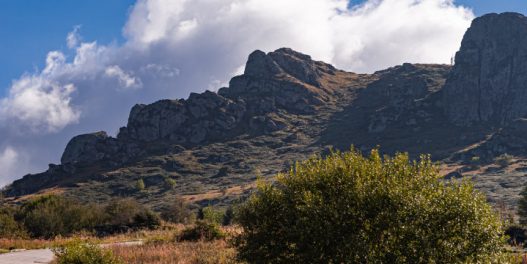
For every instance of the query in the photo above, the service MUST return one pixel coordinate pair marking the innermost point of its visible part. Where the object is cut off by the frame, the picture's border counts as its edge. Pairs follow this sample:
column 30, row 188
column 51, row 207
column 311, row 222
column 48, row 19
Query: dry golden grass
column 19, row 243
column 43, row 192
column 216, row 252
column 167, row 233
column 215, row 194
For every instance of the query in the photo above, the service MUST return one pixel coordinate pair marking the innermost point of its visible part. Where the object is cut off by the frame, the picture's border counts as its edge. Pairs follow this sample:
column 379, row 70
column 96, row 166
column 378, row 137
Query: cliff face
column 286, row 107
column 489, row 81
column 284, row 80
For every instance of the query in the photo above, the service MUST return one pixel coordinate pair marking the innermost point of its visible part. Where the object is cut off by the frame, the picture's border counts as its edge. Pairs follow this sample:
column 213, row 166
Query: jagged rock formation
column 202, row 117
column 489, row 81
column 283, row 79
column 286, row 107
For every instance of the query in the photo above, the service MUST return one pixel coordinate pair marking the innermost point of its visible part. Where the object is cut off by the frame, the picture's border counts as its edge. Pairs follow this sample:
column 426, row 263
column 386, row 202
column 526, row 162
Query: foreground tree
column 347, row 208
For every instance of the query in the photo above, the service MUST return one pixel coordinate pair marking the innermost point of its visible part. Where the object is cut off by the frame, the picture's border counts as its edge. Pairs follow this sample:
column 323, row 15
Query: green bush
column 9, row 227
column 84, row 253
column 147, row 219
column 178, row 212
column 121, row 212
column 202, row 231
column 52, row 215
column 170, row 183
column 347, row 208
column 211, row 215
column 123, row 215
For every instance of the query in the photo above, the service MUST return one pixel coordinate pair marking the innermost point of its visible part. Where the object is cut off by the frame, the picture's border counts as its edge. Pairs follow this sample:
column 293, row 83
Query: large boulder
column 489, row 81
column 89, row 148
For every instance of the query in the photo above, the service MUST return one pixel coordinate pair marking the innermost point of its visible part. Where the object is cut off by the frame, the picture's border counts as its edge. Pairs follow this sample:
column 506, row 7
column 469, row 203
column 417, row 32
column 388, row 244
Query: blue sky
column 31, row 28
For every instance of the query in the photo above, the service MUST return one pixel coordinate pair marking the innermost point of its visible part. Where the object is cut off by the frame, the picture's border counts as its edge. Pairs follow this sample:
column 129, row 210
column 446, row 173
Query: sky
column 69, row 67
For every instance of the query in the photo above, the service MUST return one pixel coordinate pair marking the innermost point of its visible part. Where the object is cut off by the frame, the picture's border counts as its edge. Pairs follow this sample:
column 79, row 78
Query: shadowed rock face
column 489, row 81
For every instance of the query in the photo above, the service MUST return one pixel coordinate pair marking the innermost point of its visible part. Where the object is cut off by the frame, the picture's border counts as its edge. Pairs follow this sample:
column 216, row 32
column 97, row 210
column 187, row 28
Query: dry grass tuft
column 218, row 252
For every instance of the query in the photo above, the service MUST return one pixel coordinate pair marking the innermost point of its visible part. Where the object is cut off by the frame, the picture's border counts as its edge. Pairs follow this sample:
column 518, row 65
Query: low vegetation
column 80, row 252
column 345, row 208
column 200, row 252
column 504, row 160
column 202, row 231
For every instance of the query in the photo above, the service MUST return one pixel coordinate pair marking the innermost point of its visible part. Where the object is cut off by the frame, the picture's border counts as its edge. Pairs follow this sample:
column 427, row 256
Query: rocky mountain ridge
column 286, row 107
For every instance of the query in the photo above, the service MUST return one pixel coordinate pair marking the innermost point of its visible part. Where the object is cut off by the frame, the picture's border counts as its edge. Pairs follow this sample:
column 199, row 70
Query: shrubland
column 343, row 208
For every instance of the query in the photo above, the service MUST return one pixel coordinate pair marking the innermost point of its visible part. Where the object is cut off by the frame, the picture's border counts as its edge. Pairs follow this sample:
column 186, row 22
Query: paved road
column 27, row 257
column 45, row 255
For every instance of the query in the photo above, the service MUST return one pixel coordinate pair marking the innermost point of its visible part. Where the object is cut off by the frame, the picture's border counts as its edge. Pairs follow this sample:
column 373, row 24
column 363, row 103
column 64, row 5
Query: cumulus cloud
column 39, row 104
column 174, row 47
column 125, row 80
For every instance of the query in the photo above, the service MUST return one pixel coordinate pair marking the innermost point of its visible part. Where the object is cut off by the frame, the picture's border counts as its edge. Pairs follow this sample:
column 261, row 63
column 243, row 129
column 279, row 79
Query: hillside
column 286, row 107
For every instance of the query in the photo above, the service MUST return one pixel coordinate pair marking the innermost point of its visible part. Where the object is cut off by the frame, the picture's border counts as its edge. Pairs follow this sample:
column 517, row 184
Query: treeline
column 53, row 215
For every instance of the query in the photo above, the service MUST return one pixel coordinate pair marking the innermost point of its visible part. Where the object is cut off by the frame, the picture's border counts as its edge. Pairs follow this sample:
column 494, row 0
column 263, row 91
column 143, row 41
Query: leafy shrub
column 178, row 212
column 347, row 208
column 122, row 215
column 147, row 219
column 9, row 227
column 202, row 230
column 170, row 183
column 121, row 212
column 53, row 215
column 211, row 215
column 84, row 253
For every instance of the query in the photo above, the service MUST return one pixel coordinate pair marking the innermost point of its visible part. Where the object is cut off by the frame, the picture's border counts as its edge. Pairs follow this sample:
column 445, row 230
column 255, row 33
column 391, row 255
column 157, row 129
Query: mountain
column 287, row 107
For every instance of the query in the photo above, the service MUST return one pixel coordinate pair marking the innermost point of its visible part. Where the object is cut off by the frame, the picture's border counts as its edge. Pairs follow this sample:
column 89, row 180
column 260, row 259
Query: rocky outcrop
column 201, row 117
column 489, row 81
column 284, row 79
column 89, row 148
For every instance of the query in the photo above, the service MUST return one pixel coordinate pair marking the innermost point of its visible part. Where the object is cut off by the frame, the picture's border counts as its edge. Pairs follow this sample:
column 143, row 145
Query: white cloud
column 174, row 47
column 39, row 104
column 73, row 39
column 8, row 164
column 125, row 80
